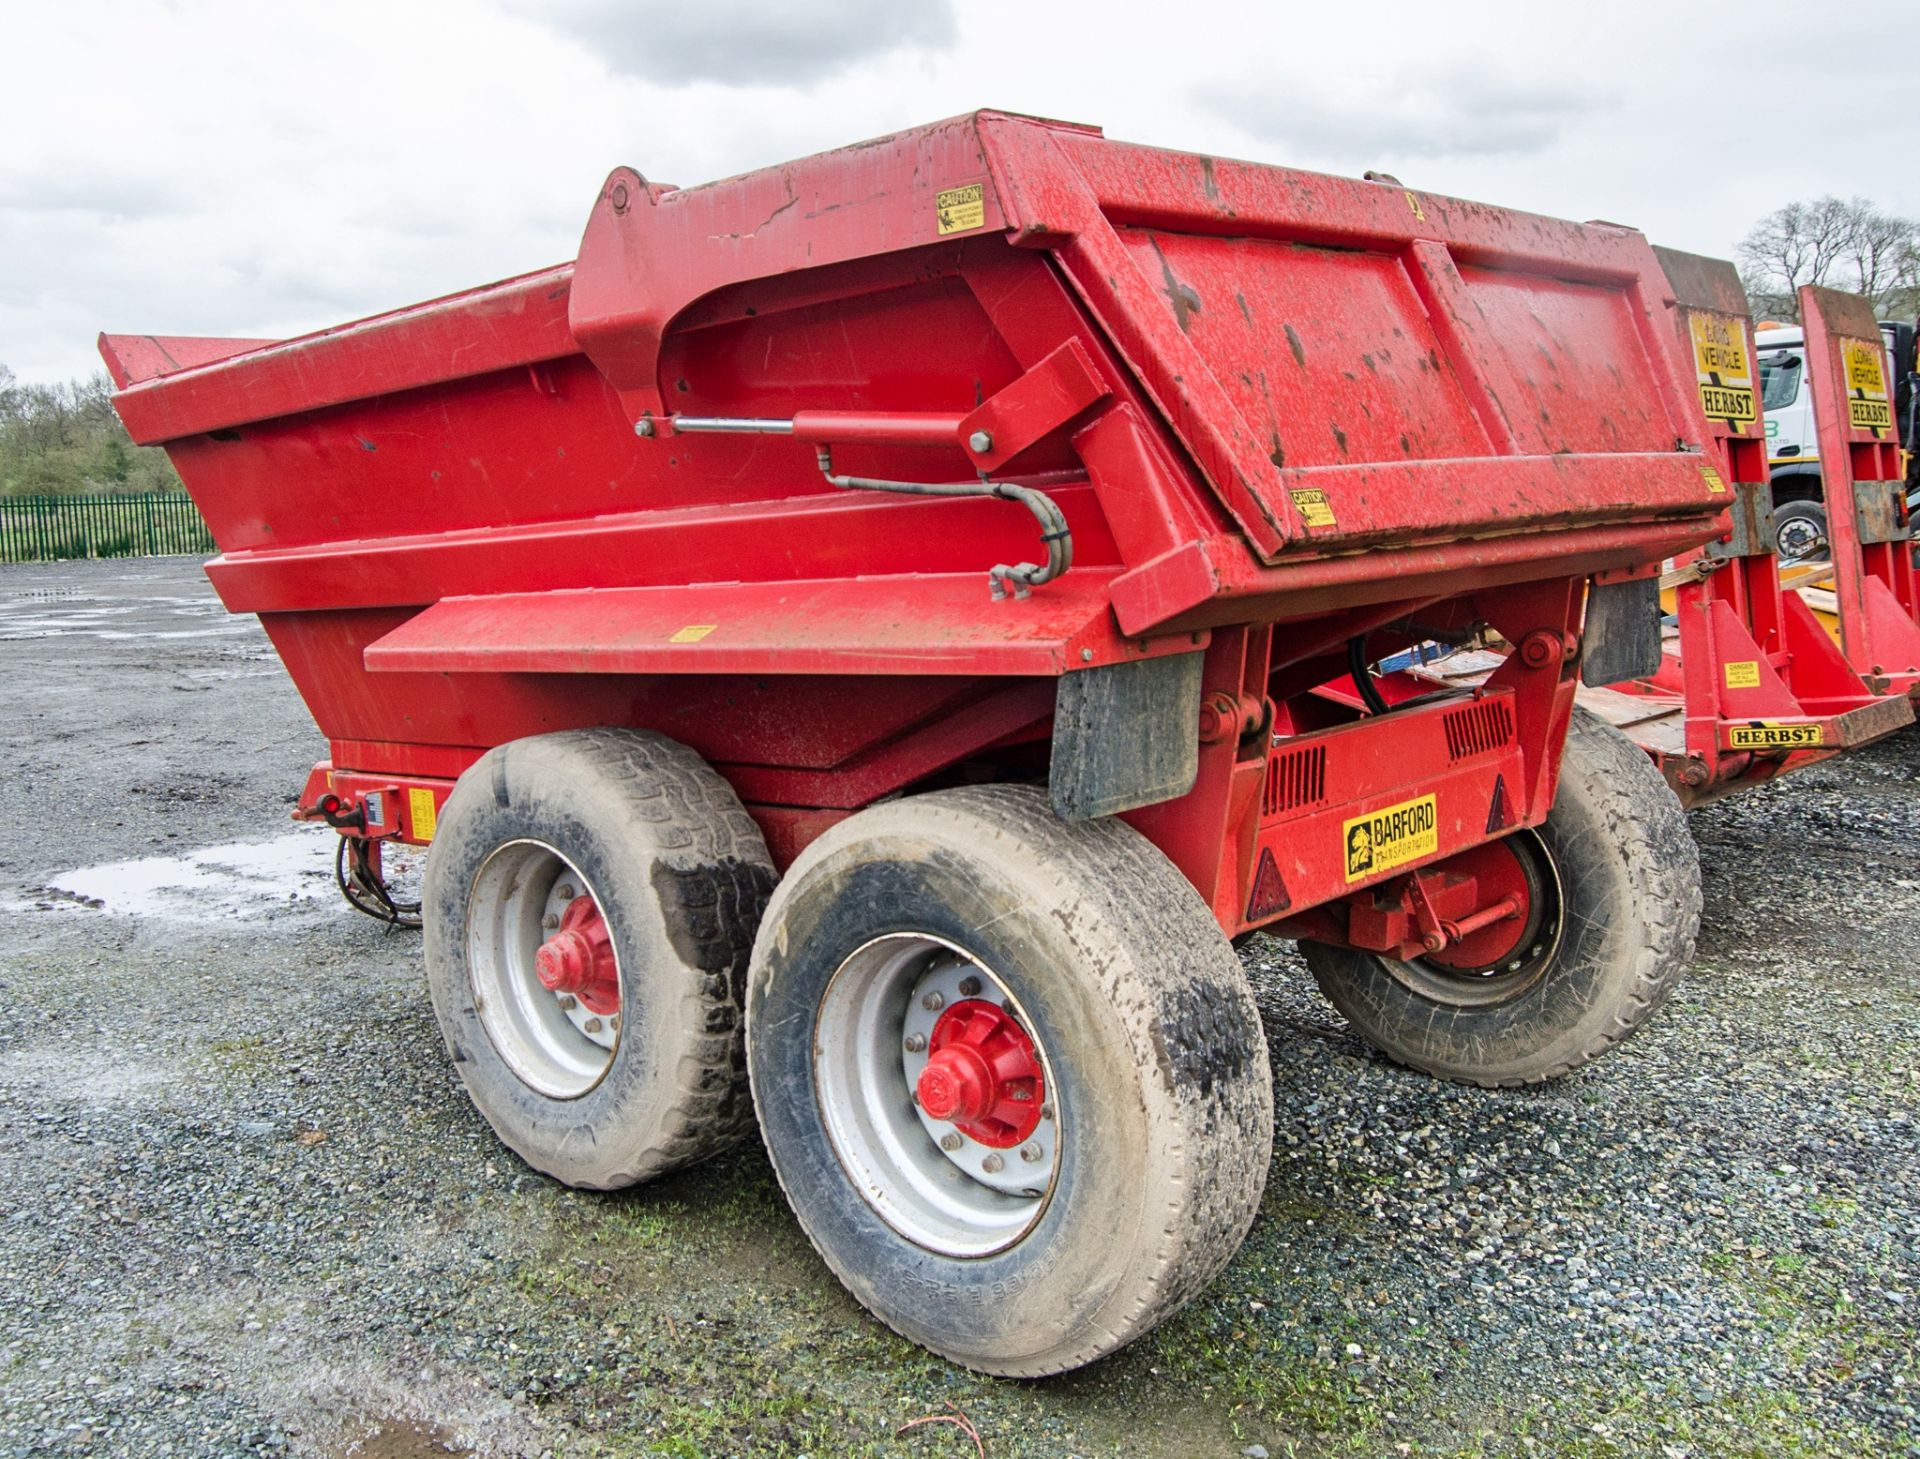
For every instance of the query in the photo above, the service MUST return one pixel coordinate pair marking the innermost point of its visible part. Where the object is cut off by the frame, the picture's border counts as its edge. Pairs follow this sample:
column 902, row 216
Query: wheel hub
column 982, row 1075
column 1506, row 957
column 937, row 1095
column 1798, row 538
column 1499, row 875
column 577, row 959
column 542, row 966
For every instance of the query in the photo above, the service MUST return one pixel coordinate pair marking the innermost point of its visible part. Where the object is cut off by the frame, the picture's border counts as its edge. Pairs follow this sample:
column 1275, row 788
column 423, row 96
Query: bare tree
column 1845, row 244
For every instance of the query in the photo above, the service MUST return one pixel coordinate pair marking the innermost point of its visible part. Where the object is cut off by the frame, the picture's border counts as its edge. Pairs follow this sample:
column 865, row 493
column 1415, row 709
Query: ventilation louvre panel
column 1296, row 778
column 1477, row 728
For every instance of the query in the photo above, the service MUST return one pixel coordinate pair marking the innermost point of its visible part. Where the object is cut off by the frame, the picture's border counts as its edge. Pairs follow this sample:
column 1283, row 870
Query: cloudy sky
column 245, row 167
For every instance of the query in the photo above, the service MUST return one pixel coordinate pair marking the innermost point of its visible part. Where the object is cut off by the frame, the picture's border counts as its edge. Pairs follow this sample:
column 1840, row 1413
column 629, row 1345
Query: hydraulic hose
column 1021, row 578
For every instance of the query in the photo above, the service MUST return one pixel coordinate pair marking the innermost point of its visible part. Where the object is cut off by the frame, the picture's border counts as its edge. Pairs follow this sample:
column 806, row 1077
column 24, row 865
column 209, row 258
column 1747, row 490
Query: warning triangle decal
column 1269, row 891
column 1498, row 816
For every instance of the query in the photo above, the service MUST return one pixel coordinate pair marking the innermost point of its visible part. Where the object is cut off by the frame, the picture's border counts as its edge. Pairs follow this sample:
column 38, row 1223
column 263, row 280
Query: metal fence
column 50, row 528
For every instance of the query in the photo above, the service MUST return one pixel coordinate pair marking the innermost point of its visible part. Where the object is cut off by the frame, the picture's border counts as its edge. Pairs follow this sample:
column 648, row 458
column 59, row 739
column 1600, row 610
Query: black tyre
column 1800, row 531
column 590, row 904
column 1611, row 887
column 1108, row 1154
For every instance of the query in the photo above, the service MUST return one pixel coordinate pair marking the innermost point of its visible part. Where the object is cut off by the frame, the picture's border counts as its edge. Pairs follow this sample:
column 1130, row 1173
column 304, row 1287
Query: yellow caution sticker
column 1743, row 674
column 1725, row 366
column 421, row 811
column 1712, row 479
column 1413, row 206
column 692, row 633
column 962, row 208
column 1763, row 734
column 1313, row 507
column 1868, row 408
column 1390, row 837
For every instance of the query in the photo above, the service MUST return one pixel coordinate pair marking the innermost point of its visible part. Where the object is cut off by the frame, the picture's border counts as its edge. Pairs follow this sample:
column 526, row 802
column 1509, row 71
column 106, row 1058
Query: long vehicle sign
column 1725, row 367
column 1867, row 405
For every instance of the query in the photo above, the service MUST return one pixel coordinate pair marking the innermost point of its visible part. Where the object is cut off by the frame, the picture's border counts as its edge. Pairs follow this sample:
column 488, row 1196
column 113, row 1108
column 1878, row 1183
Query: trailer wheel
column 1611, row 887
column 1800, row 530
column 590, row 904
column 1010, row 1075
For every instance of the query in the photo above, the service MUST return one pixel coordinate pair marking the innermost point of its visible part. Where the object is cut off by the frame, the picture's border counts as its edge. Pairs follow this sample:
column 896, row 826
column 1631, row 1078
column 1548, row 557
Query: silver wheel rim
column 923, row 1176
column 553, row 1043
column 1798, row 537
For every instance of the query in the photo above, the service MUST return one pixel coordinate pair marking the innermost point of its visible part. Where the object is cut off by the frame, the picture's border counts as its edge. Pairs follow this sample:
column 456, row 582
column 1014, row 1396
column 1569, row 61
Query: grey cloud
column 1452, row 111
column 756, row 42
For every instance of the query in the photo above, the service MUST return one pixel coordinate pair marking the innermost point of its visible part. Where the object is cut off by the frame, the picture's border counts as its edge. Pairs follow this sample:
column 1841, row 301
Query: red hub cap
column 983, row 1075
column 1499, row 874
column 578, row 958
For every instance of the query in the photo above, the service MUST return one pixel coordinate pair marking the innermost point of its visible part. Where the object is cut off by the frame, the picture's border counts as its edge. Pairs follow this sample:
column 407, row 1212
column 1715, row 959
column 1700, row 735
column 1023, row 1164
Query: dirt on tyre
column 1010, row 1075
column 589, row 908
column 1611, row 888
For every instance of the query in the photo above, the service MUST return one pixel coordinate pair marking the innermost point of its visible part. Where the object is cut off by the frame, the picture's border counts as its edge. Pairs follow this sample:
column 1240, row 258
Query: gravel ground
column 244, row 1208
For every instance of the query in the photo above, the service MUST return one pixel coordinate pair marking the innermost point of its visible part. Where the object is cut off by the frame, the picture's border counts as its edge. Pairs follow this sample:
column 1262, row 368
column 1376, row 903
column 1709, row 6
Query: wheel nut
column 969, row 987
column 614, row 1022
column 950, row 1141
column 1029, row 1152
column 933, row 1002
column 550, row 921
column 916, row 1042
column 564, row 891
column 992, row 1164
column 566, row 1000
column 593, row 1025
column 1046, row 1111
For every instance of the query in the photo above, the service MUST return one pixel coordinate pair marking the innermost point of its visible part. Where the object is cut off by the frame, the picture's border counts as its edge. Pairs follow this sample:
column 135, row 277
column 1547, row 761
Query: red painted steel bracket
column 1053, row 392
column 882, row 625
column 377, row 807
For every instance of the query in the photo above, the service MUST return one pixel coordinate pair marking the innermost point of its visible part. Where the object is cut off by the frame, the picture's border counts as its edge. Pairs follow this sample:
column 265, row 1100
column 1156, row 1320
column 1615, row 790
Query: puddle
column 65, row 613
column 46, row 595
column 402, row 1439
column 236, row 882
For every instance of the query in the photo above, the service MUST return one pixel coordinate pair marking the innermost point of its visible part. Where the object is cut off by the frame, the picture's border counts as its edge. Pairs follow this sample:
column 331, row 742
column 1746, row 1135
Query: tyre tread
column 1223, row 1146
column 1660, row 864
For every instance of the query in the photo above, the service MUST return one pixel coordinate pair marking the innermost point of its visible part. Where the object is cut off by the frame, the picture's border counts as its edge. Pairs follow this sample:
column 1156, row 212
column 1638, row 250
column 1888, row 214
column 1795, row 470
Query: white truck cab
column 1793, row 449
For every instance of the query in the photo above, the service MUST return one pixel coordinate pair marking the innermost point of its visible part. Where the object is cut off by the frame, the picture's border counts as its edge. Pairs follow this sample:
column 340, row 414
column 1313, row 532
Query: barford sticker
column 1386, row 838
column 1763, row 735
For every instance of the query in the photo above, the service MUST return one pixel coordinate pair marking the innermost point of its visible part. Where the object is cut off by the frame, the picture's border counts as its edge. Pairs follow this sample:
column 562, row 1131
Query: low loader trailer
column 854, row 643
column 1751, row 683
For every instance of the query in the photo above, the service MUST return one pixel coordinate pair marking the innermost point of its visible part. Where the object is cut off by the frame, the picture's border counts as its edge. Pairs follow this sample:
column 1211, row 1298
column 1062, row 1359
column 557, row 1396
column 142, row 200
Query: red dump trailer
column 871, row 631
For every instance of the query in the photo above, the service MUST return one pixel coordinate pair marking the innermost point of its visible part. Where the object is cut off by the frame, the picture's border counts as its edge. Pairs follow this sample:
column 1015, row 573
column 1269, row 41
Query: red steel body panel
column 1276, row 409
